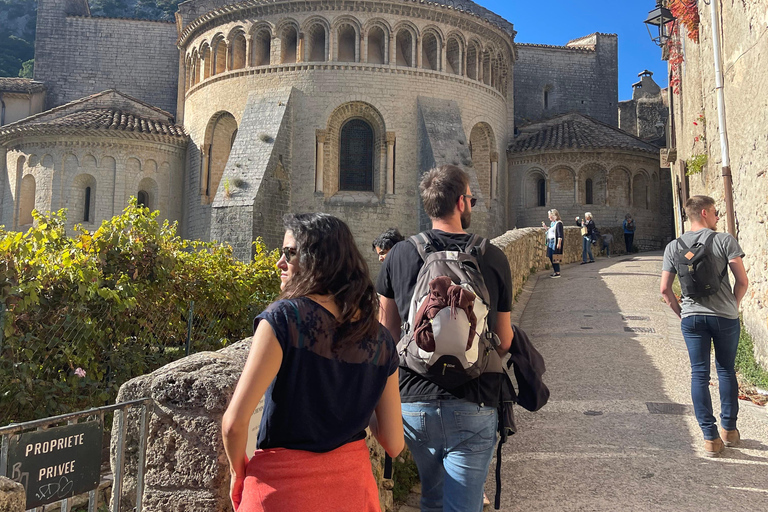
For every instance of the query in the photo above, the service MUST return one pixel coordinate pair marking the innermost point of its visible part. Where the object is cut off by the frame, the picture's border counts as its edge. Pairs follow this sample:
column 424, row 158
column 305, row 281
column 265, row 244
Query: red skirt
column 282, row 480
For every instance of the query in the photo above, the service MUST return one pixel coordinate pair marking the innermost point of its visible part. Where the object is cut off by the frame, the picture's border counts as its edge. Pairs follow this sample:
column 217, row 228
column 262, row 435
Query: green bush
column 746, row 364
column 113, row 304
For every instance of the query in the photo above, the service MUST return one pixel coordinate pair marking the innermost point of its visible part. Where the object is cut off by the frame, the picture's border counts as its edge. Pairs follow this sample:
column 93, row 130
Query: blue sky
column 558, row 21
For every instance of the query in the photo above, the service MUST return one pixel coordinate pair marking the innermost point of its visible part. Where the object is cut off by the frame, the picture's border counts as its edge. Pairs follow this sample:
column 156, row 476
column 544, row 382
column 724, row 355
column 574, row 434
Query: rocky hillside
column 18, row 17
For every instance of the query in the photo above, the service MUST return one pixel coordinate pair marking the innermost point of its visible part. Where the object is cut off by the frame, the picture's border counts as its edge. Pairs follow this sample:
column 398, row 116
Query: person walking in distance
column 450, row 429
column 555, row 235
column 629, row 232
column 709, row 314
column 587, row 235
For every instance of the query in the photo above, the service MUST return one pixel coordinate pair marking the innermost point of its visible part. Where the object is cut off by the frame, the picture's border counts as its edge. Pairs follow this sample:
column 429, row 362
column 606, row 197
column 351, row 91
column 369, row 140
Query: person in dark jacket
column 629, row 232
column 555, row 238
column 587, row 231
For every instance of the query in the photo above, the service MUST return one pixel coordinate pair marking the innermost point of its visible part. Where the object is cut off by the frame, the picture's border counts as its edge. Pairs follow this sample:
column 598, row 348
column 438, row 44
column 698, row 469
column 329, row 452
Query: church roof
column 22, row 85
column 109, row 113
column 471, row 7
column 574, row 131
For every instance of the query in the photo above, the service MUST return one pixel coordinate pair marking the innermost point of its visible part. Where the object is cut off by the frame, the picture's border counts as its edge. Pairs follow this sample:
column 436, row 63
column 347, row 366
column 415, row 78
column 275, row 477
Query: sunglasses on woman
column 289, row 253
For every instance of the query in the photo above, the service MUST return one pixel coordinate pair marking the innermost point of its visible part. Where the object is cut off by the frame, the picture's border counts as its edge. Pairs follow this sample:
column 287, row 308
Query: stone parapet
column 12, row 496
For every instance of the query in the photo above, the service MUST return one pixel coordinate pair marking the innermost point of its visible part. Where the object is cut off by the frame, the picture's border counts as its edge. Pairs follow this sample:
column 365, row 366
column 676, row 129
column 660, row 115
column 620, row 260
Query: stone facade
column 77, row 55
column 646, row 115
column 582, row 76
column 744, row 50
column 20, row 98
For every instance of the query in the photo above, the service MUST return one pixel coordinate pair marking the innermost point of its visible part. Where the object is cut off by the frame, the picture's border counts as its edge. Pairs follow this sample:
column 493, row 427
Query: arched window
column 87, row 205
column 142, row 198
column 356, row 156
column 472, row 64
column 219, row 63
column 238, row 52
column 262, row 46
column 317, row 49
column 453, row 56
column 588, row 191
column 404, row 48
column 377, row 48
column 430, row 56
column 288, row 44
column 347, row 38
column 541, row 192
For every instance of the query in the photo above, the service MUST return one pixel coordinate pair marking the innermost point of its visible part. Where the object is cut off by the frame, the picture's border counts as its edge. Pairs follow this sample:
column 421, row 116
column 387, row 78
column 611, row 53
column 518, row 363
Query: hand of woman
column 236, row 491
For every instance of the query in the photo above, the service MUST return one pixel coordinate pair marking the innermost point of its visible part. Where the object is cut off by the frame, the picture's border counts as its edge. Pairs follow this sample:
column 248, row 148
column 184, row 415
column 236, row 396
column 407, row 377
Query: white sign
column 253, row 429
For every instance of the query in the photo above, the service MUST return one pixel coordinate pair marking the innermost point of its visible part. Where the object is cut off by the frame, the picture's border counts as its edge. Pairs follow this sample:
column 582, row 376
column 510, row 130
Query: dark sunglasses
column 472, row 199
column 289, row 253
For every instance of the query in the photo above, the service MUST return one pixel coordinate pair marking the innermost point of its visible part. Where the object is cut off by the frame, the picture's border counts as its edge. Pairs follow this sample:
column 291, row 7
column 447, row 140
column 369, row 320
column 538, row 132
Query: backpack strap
column 422, row 244
column 476, row 245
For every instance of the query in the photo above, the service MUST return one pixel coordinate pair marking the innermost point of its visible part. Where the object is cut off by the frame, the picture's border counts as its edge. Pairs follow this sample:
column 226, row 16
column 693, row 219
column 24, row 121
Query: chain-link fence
column 67, row 356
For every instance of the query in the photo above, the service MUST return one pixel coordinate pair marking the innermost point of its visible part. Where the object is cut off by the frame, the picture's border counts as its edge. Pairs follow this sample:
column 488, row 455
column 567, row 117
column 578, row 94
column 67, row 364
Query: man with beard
column 450, row 432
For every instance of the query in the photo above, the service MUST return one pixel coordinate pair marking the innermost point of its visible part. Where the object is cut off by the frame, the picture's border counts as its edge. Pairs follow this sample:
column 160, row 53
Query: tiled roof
column 24, row 85
column 111, row 119
column 575, row 131
column 556, row 47
column 478, row 10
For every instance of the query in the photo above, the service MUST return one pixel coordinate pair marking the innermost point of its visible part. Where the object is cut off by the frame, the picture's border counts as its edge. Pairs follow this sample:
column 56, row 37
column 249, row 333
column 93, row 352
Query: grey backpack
column 457, row 356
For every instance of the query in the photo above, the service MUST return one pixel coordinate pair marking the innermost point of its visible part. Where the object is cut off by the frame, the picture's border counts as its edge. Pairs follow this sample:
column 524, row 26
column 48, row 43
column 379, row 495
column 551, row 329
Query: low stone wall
column 186, row 466
column 526, row 250
column 12, row 496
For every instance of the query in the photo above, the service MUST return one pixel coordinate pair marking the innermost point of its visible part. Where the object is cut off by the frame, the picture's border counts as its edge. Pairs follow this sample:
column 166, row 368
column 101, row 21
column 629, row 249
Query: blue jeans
column 586, row 249
column 700, row 331
column 452, row 443
column 555, row 266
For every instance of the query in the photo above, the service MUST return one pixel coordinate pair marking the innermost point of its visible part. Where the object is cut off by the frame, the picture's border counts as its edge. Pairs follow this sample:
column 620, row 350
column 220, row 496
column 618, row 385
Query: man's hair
column 695, row 204
column 441, row 188
column 387, row 239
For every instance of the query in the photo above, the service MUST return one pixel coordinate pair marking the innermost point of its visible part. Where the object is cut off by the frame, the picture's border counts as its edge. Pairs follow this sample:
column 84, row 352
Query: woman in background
column 329, row 370
column 555, row 235
column 587, row 235
column 629, row 232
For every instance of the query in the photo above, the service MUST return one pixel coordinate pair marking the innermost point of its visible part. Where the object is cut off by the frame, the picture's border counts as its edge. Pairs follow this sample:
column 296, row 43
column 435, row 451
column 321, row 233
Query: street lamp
column 659, row 17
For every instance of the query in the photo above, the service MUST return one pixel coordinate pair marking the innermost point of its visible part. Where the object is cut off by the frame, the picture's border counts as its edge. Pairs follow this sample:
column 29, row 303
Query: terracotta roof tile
column 575, row 131
column 24, row 85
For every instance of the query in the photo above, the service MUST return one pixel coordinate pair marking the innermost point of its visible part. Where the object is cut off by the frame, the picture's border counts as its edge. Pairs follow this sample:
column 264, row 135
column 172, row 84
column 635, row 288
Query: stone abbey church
column 237, row 113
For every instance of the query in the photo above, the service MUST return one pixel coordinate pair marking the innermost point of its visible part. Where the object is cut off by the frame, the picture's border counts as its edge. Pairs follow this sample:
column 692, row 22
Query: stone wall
column 186, row 466
column 745, row 54
column 77, row 55
column 581, row 77
column 62, row 167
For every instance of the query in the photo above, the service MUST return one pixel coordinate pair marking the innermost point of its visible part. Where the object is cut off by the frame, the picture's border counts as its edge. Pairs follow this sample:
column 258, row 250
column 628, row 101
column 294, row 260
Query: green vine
column 696, row 164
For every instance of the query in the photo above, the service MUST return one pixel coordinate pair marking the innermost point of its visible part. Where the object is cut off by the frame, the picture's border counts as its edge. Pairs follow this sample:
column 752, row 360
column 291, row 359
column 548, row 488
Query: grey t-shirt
column 724, row 248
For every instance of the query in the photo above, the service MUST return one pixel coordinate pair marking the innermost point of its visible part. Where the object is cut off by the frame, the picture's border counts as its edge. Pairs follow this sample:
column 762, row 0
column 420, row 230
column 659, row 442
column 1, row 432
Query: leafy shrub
column 84, row 314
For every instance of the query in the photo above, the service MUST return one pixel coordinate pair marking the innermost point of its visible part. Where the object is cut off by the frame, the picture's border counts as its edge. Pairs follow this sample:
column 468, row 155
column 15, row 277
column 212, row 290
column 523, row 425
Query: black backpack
column 697, row 268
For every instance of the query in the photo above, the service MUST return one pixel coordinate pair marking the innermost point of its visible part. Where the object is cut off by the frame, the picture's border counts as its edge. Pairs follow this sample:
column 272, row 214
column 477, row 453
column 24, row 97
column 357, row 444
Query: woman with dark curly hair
column 329, row 370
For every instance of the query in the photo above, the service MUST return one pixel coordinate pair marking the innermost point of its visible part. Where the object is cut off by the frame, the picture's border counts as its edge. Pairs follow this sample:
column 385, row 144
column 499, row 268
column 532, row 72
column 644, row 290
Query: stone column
column 249, row 51
column 575, row 189
column 464, row 63
column 418, row 52
column 494, row 174
column 300, row 48
column 390, row 162
column 442, row 54
column 631, row 191
column 228, row 58
column 320, row 135
column 357, row 47
column 364, row 45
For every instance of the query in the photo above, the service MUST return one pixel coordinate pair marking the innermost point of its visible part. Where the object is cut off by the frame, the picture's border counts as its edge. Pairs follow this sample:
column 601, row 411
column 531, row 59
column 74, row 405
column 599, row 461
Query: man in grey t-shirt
column 708, row 320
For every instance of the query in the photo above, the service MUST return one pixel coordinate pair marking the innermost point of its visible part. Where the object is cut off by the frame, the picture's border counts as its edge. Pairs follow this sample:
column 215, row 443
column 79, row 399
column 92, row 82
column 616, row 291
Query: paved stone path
column 618, row 432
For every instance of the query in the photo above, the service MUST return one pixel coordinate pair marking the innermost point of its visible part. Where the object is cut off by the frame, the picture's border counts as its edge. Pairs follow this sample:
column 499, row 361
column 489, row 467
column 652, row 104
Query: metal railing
column 120, row 423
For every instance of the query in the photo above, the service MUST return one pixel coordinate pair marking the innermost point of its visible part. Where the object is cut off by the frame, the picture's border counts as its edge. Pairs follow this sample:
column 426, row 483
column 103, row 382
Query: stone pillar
column 357, row 48
column 320, row 135
column 300, row 48
column 575, row 189
column 464, row 63
column 442, row 54
column 249, row 51
column 390, row 162
column 364, row 45
column 228, row 57
column 13, row 497
column 494, row 174
column 631, row 191
column 392, row 50
column 418, row 52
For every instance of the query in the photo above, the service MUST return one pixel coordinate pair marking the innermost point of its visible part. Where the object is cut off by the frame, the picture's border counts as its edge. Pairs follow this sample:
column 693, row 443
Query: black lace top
column 325, row 391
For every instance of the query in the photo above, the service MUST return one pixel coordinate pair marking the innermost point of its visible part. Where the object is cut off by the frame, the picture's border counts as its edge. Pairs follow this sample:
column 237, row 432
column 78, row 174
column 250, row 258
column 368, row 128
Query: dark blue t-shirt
column 325, row 391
